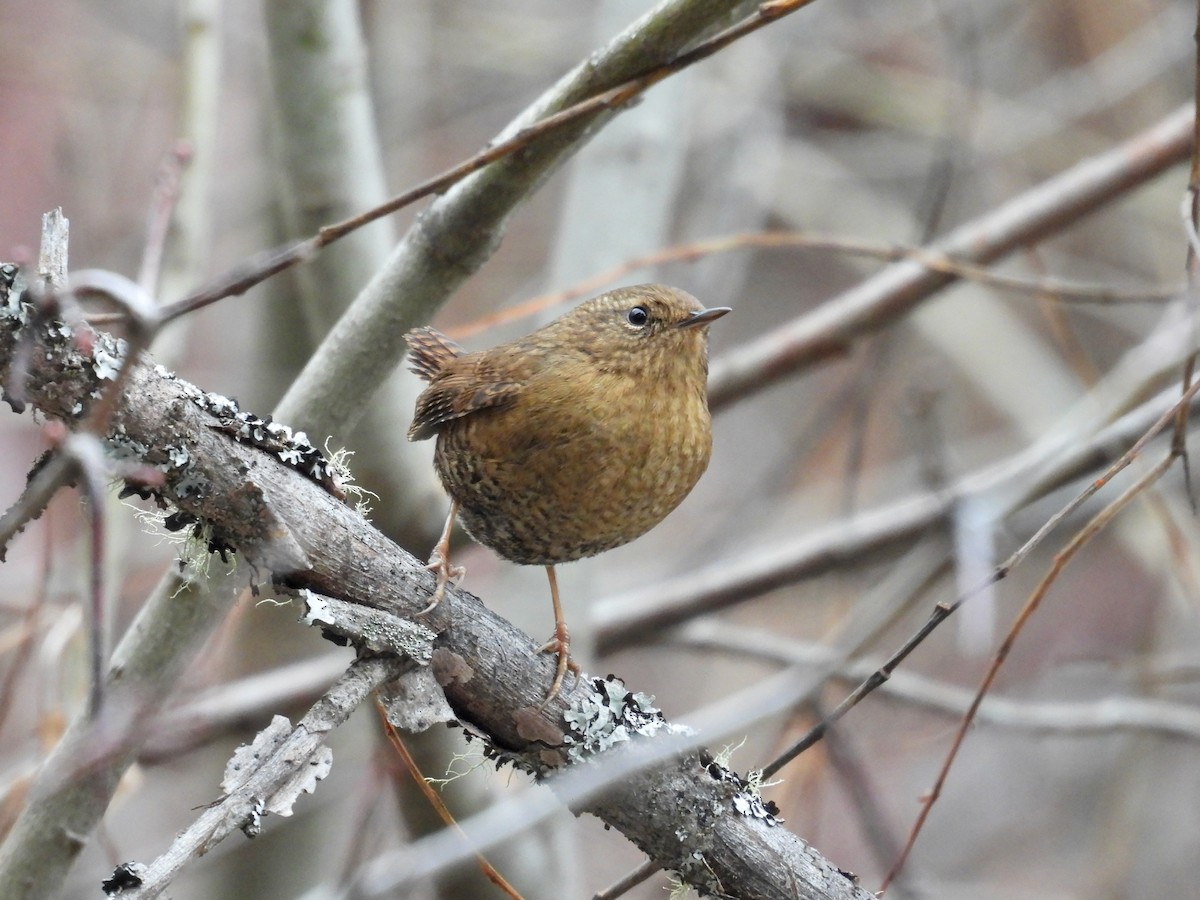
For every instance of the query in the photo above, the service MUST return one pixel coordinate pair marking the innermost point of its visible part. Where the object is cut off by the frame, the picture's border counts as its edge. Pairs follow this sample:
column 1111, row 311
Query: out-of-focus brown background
column 890, row 122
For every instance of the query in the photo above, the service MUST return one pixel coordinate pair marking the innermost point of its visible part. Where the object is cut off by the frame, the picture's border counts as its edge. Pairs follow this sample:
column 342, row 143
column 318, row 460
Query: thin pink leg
column 439, row 561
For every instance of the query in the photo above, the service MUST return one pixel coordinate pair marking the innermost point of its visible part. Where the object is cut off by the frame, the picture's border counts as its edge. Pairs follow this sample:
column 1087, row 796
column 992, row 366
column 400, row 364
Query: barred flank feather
column 429, row 351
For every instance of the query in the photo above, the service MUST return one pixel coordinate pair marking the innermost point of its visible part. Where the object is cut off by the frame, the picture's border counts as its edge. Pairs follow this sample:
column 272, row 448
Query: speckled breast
column 572, row 484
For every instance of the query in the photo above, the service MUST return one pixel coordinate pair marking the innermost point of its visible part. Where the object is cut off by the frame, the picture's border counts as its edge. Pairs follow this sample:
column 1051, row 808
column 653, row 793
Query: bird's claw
column 446, row 574
column 560, row 644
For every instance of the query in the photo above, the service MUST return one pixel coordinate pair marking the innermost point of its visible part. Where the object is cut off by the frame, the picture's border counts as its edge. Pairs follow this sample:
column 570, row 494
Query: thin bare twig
column 1059, row 289
column 831, row 329
column 33, row 500
column 162, row 208
column 942, row 611
column 17, row 666
column 271, row 262
column 628, row 882
column 432, row 798
column 1061, row 559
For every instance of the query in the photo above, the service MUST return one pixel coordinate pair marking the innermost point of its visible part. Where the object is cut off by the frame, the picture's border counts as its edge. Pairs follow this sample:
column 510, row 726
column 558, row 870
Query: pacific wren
column 574, row 439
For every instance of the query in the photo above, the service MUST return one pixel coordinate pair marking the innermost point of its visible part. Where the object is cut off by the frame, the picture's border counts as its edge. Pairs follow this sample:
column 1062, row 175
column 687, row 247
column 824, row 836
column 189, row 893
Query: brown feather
column 430, row 351
column 463, row 386
column 580, row 436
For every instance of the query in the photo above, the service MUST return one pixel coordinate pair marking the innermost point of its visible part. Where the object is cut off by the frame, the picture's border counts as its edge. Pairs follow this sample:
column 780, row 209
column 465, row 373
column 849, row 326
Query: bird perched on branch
column 572, row 440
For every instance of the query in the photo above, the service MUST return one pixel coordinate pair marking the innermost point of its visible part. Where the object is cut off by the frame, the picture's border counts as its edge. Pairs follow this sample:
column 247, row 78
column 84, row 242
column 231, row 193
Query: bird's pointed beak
column 704, row 316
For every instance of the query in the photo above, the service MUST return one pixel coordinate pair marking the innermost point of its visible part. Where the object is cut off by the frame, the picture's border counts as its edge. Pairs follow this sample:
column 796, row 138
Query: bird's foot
column 446, row 573
column 560, row 644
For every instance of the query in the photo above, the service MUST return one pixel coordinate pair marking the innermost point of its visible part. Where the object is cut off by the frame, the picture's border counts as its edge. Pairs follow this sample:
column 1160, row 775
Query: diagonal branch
column 463, row 227
column 457, row 233
column 268, row 772
column 1061, row 201
column 302, row 535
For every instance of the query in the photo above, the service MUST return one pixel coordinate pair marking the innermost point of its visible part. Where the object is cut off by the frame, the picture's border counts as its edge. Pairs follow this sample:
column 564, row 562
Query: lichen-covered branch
column 265, row 777
column 282, row 514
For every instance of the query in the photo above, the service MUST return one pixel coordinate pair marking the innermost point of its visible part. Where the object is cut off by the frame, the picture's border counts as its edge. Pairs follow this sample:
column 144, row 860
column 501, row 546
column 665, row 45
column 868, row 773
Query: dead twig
column 1061, row 559
column 1058, row 289
column 432, row 798
column 876, row 303
column 271, row 262
column 942, row 611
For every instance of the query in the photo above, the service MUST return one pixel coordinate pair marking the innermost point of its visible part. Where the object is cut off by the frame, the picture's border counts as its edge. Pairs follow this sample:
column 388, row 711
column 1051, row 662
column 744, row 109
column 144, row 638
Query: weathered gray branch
column 461, row 229
column 270, row 779
column 456, row 234
column 295, row 530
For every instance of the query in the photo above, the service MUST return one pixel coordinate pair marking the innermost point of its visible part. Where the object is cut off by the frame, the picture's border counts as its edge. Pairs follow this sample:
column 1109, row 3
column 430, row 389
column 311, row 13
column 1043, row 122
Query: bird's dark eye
column 638, row 316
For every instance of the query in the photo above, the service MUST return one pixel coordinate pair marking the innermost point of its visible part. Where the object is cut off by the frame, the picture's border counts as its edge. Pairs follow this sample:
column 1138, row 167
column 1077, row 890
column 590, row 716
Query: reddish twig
column 271, row 262
column 1061, row 559
column 1066, row 291
column 162, row 208
column 942, row 611
column 24, row 649
column 431, row 796
column 75, row 457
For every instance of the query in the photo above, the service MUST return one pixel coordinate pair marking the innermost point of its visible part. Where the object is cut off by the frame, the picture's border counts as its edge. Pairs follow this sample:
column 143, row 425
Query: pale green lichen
column 610, row 714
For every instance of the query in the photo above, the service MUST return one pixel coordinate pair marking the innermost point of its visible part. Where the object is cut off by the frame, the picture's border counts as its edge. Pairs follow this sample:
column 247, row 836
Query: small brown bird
column 574, row 439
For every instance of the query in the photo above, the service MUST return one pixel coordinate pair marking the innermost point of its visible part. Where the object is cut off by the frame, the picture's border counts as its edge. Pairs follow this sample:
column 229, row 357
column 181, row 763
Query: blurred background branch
column 957, row 427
